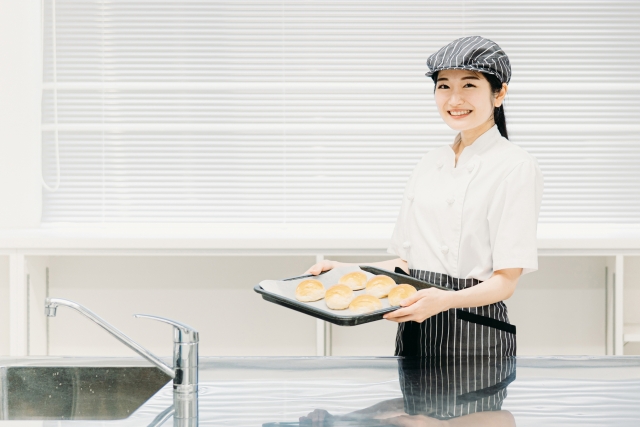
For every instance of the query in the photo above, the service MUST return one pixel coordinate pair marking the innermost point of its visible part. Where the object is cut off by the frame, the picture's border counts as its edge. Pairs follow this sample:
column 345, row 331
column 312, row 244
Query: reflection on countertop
column 552, row 391
column 469, row 390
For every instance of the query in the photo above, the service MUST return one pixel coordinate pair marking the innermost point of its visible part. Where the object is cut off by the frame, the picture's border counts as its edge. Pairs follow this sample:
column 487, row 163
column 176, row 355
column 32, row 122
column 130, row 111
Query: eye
column 443, row 86
column 469, row 85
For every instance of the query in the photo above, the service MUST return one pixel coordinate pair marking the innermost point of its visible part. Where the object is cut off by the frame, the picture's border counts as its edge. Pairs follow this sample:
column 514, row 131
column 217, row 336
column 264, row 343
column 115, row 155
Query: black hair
column 498, row 112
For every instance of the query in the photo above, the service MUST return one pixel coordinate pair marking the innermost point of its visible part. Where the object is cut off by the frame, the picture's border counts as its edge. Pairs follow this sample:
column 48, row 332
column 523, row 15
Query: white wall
column 560, row 309
column 213, row 294
column 4, row 305
column 632, row 289
column 20, row 93
column 632, row 298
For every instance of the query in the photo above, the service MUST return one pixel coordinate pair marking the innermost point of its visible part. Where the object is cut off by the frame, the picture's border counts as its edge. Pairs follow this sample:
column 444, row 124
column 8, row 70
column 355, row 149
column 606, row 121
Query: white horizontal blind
column 317, row 111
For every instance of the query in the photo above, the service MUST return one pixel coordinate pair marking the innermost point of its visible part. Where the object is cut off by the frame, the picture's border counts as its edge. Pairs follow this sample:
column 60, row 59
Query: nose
column 456, row 98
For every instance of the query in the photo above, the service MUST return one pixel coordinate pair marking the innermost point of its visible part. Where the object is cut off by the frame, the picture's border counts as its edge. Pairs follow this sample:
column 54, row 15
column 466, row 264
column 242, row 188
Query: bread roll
column 399, row 293
column 356, row 280
column 310, row 290
column 379, row 286
column 338, row 297
column 365, row 304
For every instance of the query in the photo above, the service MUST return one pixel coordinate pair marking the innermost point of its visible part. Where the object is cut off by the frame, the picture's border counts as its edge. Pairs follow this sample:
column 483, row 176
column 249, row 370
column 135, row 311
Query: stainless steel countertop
column 550, row 391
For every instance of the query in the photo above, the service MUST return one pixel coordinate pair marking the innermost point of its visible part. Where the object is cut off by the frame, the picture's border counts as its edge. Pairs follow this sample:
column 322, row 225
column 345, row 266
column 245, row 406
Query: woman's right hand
column 324, row 265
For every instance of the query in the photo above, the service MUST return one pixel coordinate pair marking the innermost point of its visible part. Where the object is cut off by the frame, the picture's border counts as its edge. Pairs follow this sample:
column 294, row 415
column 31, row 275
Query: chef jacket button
column 410, row 196
column 444, row 249
column 440, row 164
column 470, row 167
column 406, row 244
column 450, row 200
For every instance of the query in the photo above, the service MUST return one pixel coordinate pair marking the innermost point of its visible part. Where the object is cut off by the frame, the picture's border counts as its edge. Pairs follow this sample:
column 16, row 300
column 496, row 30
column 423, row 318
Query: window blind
column 317, row 111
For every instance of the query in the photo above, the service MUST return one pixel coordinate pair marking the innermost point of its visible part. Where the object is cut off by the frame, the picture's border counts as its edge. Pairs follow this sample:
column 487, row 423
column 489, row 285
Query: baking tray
column 342, row 319
column 329, row 316
column 400, row 276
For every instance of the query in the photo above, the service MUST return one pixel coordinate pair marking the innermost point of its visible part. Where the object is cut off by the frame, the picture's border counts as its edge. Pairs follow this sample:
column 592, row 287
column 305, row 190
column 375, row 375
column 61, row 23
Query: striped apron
column 481, row 331
column 448, row 387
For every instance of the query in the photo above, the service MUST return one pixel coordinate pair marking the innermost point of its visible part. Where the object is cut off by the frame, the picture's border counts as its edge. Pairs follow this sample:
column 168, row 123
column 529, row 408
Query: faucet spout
column 50, row 310
column 51, row 305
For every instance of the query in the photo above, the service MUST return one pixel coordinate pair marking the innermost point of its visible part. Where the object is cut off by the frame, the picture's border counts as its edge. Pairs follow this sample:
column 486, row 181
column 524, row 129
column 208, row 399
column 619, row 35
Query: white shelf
column 553, row 239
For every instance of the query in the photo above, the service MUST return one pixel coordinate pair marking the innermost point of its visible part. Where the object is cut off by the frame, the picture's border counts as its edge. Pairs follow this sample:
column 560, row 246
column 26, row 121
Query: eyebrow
column 464, row 78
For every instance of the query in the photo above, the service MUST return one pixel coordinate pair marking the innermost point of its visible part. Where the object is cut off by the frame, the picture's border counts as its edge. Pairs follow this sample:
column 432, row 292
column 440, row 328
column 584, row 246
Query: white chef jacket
column 471, row 219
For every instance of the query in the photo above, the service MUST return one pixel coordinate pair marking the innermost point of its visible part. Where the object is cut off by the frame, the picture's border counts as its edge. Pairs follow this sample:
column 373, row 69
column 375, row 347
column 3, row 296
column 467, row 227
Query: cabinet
column 583, row 300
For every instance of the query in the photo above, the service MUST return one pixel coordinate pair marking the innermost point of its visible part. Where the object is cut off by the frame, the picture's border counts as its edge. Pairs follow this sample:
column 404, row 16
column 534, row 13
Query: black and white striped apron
column 449, row 387
column 482, row 331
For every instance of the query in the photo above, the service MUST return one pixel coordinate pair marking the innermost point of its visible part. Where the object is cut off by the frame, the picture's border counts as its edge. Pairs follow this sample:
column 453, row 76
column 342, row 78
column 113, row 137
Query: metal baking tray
column 342, row 319
column 400, row 276
column 336, row 319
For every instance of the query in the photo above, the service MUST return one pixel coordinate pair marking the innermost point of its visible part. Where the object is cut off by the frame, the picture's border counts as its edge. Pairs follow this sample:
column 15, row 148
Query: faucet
column 185, row 345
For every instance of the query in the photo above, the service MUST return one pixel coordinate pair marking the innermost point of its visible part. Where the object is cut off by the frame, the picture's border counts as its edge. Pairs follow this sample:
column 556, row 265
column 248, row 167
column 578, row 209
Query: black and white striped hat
column 472, row 53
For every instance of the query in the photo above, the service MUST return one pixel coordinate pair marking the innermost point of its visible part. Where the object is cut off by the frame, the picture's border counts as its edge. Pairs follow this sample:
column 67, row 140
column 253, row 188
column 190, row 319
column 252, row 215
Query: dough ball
column 356, row 280
column 310, row 290
column 365, row 304
column 338, row 297
column 379, row 286
column 399, row 293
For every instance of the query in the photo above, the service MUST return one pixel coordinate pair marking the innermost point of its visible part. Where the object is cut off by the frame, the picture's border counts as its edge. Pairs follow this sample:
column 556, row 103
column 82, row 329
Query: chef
column 468, row 216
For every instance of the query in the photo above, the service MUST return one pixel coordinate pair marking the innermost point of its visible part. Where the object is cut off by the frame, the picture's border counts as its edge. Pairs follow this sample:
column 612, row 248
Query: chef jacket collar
column 479, row 145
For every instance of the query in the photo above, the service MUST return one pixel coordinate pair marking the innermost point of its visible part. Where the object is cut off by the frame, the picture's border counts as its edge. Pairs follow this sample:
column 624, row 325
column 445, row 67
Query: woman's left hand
column 420, row 306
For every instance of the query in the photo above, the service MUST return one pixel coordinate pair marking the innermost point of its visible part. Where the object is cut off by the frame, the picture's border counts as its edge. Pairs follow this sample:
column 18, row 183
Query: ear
column 500, row 96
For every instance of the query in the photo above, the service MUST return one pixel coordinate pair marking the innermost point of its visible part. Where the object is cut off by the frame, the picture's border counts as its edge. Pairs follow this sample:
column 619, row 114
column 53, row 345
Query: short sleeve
column 513, row 218
column 400, row 235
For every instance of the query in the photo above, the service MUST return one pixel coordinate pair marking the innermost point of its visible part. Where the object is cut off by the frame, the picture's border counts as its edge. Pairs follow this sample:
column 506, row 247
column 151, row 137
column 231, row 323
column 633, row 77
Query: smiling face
column 465, row 99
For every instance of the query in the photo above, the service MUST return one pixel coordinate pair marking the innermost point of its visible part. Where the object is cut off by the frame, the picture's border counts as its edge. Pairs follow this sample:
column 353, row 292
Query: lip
column 460, row 116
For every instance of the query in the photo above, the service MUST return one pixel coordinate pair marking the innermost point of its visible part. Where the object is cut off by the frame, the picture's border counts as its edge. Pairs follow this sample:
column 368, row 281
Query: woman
column 468, row 217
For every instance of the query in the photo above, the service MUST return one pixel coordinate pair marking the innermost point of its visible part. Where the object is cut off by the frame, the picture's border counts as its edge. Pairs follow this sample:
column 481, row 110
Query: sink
column 76, row 393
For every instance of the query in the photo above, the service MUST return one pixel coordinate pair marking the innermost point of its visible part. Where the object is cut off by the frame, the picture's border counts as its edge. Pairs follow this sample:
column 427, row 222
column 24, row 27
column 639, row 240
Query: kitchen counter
column 212, row 239
column 271, row 392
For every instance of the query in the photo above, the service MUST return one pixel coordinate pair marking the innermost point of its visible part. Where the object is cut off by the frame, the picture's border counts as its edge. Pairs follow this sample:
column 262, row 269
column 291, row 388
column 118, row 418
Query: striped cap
column 472, row 53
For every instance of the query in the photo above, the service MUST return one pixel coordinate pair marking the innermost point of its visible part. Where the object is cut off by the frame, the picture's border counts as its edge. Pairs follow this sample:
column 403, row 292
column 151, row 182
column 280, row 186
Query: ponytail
column 498, row 112
column 501, row 121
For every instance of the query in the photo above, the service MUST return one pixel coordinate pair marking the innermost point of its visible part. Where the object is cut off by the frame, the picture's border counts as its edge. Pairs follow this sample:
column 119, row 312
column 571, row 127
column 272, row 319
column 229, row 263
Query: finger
column 402, row 319
column 327, row 265
column 398, row 313
column 411, row 299
column 401, row 314
column 314, row 270
column 320, row 267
